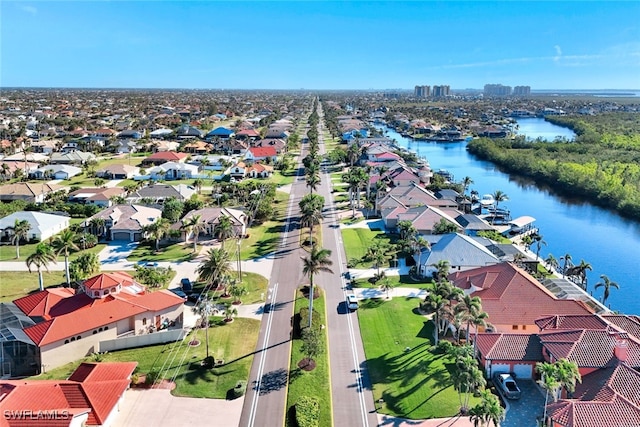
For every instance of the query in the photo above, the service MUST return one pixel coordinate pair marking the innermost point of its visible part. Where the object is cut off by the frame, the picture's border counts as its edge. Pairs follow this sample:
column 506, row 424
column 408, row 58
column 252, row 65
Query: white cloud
column 558, row 53
column 29, row 9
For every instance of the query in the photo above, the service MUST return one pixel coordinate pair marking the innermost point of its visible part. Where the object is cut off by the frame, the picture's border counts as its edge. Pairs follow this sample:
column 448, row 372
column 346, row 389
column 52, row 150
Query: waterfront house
column 43, row 225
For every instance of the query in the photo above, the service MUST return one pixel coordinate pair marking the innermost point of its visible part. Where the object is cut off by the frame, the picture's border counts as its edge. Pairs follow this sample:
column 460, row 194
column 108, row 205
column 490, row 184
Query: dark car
column 187, row 286
column 507, row 385
column 179, row 293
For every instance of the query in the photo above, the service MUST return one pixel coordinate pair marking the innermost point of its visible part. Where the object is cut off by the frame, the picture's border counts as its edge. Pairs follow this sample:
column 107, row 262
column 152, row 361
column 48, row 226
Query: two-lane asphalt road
column 352, row 400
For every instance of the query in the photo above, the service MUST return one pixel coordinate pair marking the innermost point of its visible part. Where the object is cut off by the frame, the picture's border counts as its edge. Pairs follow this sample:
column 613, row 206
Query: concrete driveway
column 159, row 408
column 115, row 254
column 524, row 411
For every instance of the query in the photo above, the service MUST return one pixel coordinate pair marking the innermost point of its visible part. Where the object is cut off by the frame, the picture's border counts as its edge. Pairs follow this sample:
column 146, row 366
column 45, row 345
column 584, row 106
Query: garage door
column 500, row 367
column 121, row 236
column 523, row 371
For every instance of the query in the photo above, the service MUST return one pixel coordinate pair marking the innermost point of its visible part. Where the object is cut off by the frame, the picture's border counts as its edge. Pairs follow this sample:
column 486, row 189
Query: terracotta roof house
column 158, row 193
column 197, row 147
column 110, row 306
column 96, row 196
column 12, row 167
column 118, row 172
column 211, row 216
column 268, row 154
column 238, row 171
column 163, row 157
column 517, row 353
column 91, row 396
column 248, row 134
column 608, row 397
column 125, row 222
column 43, row 225
column 258, row 170
column 513, row 298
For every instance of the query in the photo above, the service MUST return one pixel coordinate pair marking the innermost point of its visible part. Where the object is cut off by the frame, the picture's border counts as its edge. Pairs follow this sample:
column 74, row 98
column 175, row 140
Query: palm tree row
column 556, row 376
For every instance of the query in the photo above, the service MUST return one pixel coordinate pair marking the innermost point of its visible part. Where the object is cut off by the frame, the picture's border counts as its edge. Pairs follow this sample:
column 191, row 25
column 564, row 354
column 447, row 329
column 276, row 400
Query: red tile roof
column 523, row 347
column 259, row 152
column 92, row 387
column 608, row 397
column 589, row 321
column 39, row 303
column 108, row 280
column 511, row 296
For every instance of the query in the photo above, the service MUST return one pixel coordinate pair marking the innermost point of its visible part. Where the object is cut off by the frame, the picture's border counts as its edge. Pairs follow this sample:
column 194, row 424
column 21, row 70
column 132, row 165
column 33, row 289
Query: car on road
column 179, row 293
column 149, row 264
column 507, row 385
column 352, row 302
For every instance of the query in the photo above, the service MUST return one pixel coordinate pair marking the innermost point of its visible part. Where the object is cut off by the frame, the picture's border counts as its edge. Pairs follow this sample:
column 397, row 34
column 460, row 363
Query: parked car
column 507, row 385
column 186, row 284
column 352, row 302
column 179, row 293
column 149, row 264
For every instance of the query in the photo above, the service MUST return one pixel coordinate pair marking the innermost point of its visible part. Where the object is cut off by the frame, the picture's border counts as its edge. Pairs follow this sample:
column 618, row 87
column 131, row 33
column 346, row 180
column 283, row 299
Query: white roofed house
column 43, row 225
column 158, row 193
column 56, row 172
column 118, row 172
column 173, row 170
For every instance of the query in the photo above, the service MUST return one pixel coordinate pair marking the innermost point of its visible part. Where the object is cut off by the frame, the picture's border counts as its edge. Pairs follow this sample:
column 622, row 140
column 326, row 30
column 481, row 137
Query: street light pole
column 239, row 262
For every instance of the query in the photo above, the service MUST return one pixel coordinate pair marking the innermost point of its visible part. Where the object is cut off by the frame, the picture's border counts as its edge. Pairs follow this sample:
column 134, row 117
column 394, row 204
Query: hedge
column 307, row 412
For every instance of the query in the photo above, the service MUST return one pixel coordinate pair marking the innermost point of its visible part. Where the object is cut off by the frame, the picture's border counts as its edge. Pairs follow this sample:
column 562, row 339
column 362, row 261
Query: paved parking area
column 525, row 411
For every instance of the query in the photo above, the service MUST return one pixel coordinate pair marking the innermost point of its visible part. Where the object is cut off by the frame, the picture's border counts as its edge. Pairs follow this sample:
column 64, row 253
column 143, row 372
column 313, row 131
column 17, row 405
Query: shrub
column 135, row 378
column 444, row 347
column 307, row 412
column 240, row 389
column 303, row 320
column 151, row 377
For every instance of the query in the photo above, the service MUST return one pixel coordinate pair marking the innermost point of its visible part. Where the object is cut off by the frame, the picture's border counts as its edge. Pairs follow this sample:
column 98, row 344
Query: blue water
column 535, row 127
column 608, row 242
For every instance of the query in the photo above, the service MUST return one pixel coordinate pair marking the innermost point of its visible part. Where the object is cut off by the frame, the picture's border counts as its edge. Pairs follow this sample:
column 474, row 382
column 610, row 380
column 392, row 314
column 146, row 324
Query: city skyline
column 353, row 45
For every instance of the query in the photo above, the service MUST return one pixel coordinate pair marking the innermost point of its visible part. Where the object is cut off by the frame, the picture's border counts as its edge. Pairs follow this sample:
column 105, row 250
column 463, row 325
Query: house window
column 95, row 332
column 96, row 294
column 66, row 341
column 514, row 327
column 524, row 327
column 100, row 330
column 113, row 290
column 79, row 337
column 106, row 327
column 144, row 321
column 73, row 339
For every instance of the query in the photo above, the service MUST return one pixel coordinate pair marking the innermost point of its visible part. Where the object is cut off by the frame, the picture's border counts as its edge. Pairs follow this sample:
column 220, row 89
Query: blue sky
column 320, row 45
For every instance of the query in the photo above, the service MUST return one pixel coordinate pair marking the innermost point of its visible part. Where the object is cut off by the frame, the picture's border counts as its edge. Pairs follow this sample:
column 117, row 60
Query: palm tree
column 229, row 312
column 567, row 374
column 215, row 267
column 98, row 224
column 204, row 308
column 63, row 244
column 21, row 229
column 551, row 262
column 406, row 229
column 468, row 307
column 419, row 244
column 157, row 231
column 317, row 261
column 499, row 196
column 466, row 182
column 313, row 179
column 194, row 225
column 566, row 258
column 548, row 382
column 386, row 286
column 311, row 212
column 581, row 272
column 436, row 303
column 41, row 257
column 607, row 284
column 489, row 410
column 237, row 292
column 223, row 228
column 442, row 269
column 479, row 320
column 197, row 184
column 378, row 252
column 537, row 238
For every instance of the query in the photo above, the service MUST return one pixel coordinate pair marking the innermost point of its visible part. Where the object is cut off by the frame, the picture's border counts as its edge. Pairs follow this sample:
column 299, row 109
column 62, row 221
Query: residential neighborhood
column 245, row 248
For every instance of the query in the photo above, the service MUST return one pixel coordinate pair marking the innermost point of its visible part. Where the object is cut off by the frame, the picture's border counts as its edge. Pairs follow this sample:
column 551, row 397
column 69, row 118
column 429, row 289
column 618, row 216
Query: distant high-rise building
column 440, row 91
column 522, row 91
column 497, row 90
column 422, row 91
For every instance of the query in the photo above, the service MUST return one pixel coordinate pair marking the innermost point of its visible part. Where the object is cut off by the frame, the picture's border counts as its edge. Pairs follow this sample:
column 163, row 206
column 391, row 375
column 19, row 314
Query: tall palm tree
column 41, row 257
column 21, row 229
column 215, row 267
column 420, row 243
column 581, row 272
column 566, row 259
column 551, row 262
column 469, row 307
column 442, row 269
column 406, row 229
column 499, row 196
column 567, row 374
column 607, row 284
column 204, row 308
column 197, row 184
column 548, row 382
column 157, row 231
column 436, row 304
column 317, row 261
column 312, row 175
column 64, row 243
column 223, row 228
column 466, row 182
column 537, row 238
column 98, row 225
column 194, row 225
column 386, row 286
column 489, row 410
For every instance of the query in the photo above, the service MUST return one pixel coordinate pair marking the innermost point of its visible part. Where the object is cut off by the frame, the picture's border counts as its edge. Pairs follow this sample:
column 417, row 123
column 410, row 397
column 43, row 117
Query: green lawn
column 175, row 252
column 357, row 241
column 314, row 383
column 413, row 380
column 403, row 281
column 8, row 252
column 264, row 238
column 255, row 284
column 233, row 342
column 16, row 284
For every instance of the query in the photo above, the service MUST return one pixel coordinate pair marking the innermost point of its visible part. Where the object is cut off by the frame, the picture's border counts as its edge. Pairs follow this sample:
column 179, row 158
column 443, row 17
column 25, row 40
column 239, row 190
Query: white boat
column 487, row 200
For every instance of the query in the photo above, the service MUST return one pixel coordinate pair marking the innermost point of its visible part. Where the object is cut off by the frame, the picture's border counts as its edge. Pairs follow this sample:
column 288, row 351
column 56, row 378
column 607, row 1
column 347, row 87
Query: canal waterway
column 610, row 243
column 537, row 127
